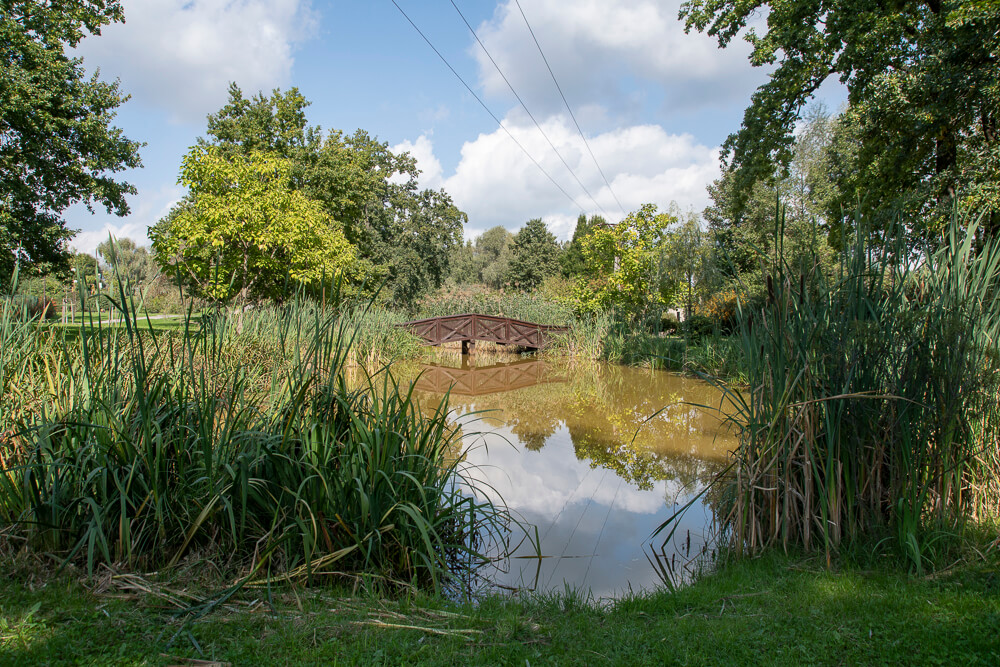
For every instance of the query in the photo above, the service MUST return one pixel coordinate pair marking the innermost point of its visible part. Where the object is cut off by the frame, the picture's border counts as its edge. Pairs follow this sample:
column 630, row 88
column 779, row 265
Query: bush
column 722, row 308
column 698, row 326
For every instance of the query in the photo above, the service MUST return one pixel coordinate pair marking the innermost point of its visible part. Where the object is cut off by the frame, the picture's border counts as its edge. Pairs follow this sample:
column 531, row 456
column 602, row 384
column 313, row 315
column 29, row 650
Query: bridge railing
column 490, row 328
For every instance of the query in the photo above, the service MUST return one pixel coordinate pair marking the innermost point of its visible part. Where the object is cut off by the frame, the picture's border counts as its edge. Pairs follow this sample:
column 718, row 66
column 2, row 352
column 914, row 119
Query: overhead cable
column 526, row 110
column 568, row 108
column 483, row 104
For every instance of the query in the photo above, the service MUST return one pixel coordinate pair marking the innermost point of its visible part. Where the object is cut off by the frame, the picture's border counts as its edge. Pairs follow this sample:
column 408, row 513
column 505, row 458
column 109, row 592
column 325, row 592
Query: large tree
column 571, row 261
column 400, row 232
column 924, row 90
column 244, row 232
column 627, row 264
column 493, row 256
column 57, row 144
column 128, row 262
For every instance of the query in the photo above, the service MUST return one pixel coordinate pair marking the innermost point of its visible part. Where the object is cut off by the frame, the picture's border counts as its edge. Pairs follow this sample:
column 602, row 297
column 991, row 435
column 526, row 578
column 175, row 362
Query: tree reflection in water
column 602, row 454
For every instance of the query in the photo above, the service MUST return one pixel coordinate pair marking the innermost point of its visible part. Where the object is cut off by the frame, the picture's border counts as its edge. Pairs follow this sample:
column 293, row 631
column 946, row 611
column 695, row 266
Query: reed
column 873, row 400
column 529, row 307
column 238, row 440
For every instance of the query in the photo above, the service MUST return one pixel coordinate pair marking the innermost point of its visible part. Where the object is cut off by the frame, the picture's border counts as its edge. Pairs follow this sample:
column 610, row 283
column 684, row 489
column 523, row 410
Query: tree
column 493, row 256
column 687, row 261
column 131, row 262
column 57, row 146
column 924, row 87
column 742, row 226
column 534, row 255
column 429, row 229
column 244, row 232
column 400, row 233
column 462, row 268
column 625, row 264
column 571, row 262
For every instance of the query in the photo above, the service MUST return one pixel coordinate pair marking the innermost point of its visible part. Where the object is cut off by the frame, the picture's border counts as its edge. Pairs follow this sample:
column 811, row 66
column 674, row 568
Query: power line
column 525, row 107
column 568, row 108
column 483, row 104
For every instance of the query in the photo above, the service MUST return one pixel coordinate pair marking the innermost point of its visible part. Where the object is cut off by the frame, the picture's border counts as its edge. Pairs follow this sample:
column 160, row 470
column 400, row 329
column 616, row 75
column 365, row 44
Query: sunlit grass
column 236, row 439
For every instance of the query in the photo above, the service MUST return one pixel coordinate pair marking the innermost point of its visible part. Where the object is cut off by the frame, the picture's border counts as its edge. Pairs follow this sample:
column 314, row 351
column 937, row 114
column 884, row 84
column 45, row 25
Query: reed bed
column 873, row 401
column 375, row 337
column 518, row 305
column 240, row 443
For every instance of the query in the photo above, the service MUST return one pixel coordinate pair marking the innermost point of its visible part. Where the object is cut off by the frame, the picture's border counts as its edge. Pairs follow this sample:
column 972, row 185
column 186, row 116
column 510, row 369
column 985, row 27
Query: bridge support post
column 468, row 347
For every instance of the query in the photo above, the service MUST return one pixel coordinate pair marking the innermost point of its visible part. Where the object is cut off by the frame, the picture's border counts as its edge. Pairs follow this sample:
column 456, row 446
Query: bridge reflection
column 471, row 380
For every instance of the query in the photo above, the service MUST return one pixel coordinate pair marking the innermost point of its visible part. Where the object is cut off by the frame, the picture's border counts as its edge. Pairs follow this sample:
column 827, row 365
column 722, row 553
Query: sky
column 652, row 103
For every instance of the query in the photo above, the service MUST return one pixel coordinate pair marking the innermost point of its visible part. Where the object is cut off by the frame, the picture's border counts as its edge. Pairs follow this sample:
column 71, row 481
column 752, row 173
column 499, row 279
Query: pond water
column 593, row 457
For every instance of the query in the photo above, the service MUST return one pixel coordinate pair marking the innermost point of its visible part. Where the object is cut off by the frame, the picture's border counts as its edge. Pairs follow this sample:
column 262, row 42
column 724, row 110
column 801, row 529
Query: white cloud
column 497, row 184
column 180, row 55
column 430, row 167
column 150, row 209
column 596, row 47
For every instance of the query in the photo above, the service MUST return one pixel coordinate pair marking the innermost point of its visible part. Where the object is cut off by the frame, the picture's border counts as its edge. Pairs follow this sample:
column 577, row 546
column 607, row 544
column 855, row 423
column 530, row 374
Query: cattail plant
column 872, row 400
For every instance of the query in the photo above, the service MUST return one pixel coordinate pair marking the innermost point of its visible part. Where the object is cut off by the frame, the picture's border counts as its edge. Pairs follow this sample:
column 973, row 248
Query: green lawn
column 773, row 610
column 171, row 322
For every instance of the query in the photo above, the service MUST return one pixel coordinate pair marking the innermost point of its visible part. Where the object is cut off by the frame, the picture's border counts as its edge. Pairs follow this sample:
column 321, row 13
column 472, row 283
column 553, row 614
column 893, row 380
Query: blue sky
column 653, row 102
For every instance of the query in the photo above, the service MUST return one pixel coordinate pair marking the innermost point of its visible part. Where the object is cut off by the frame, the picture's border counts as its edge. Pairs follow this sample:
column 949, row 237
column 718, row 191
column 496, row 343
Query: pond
column 593, row 458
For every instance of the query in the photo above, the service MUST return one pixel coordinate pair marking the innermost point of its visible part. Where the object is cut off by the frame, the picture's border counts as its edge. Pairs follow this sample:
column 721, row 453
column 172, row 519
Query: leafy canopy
column 401, row 233
column 924, row 92
column 626, row 263
column 571, row 261
column 57, row 145
column 245, row 232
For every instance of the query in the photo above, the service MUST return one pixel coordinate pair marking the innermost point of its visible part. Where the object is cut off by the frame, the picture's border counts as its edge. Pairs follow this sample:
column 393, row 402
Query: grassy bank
column 771, row 610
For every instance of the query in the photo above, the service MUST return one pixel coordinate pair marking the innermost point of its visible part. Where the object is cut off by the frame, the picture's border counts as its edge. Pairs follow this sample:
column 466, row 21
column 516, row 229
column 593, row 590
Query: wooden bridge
column 470, row 327
column 476, row 381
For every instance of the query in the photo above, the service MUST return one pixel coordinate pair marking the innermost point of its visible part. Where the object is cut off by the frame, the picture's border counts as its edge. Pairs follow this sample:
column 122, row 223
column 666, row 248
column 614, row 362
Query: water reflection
column 594, row 455
column 471, row 380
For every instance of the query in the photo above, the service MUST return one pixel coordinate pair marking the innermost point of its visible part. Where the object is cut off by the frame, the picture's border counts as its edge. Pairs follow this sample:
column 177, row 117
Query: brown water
column 594, row 457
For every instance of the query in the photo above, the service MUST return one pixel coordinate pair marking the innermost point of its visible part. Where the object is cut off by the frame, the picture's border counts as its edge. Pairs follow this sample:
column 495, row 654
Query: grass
column 477, row 299
column 238, row 441
column 779, row 610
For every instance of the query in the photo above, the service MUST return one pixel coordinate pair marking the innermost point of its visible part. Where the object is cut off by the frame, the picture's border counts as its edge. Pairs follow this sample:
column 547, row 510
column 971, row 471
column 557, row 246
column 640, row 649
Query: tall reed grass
column 153, row 447
column 873, row 402
column 518, row 305
column 376, row 339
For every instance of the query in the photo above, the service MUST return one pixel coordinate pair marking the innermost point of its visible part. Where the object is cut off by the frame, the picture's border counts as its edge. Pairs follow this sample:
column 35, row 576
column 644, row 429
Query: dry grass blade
column 449, row 632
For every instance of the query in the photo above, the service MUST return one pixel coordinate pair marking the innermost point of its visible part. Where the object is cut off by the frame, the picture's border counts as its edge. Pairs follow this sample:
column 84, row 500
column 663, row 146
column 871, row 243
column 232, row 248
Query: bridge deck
column 470, row 327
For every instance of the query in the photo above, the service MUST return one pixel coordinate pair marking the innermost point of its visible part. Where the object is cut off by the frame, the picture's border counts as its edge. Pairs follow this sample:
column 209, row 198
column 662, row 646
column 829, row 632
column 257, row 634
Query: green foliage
column 571, row 261
column 58, row 146
column 132, row 263
column 687, row 262
column 625, row 264
column 486, row 262
column 534, row 255
column 924, row 90
column 246, row 232
column 401, row 234
column 251, row 449
column 742, row 225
